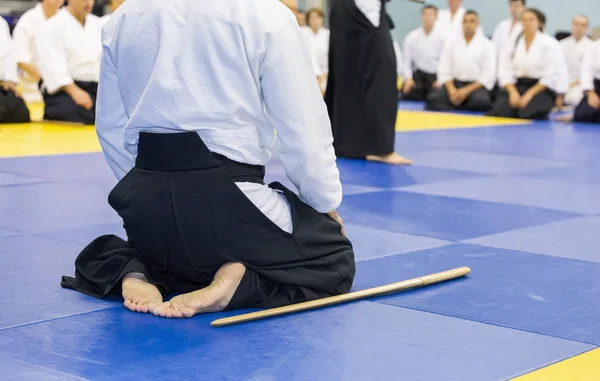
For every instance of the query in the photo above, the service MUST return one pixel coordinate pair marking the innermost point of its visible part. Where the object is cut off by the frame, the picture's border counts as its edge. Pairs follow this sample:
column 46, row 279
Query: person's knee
column 585, row 114
column 480, row 101
column 437, row 100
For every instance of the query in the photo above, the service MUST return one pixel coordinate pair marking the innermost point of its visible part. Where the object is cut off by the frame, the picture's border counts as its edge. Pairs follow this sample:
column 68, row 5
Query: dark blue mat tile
column 364, row 341
column 537, row 293
column 440, row 217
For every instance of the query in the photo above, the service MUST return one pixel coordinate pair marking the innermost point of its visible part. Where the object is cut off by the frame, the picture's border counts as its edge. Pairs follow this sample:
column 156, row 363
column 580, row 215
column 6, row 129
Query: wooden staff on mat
column 370, row 292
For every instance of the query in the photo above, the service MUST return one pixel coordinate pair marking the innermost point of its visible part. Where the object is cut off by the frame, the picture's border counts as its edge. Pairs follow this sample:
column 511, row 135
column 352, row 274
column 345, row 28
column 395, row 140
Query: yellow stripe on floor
column 585, row 367
column 41, row 138
column 421, row 121
column 35, row 139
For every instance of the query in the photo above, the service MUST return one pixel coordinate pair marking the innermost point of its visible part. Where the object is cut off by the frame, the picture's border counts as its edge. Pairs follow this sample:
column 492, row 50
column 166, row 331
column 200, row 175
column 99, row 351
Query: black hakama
column 12, row 108
column 185, row 217
column 361, row 95
column 61, row 107
column 423, row 86
column 538, row 108
column 584, row 113
column 478, row 100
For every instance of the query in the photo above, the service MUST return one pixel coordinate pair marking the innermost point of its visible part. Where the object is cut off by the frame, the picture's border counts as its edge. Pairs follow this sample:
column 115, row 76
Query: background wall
column 558, row 12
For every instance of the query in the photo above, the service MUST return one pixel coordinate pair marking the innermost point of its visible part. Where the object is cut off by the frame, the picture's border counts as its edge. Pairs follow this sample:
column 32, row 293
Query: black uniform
column 361, row 95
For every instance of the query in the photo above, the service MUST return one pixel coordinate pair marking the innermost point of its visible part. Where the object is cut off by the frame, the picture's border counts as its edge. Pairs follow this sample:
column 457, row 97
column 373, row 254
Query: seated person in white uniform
column 24, row 36
column 69, row 50
column 187, row 129
column 449, row 21
column 508, row 30
column 421, row 56
column 12, row 107
column 467, row 71
column 588, row 109
column 529, row 72
column 574, row 48
column 319, row 43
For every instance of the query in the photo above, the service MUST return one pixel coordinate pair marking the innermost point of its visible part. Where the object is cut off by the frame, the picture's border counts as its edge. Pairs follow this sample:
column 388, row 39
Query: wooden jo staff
column 370, row 292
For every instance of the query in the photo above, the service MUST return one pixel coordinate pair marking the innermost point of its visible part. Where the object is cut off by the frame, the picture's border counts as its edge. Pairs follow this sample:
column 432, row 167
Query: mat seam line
column 54, row 319
column 490, row 324
column 44, row 368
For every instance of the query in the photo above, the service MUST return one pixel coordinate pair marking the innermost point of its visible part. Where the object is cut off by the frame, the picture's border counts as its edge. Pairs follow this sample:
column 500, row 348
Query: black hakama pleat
column 12, row 108
column 538, row 109
column 423, row 86
column 361, row 95
column 61, row 107
column 478, row 100
column 584, row 113
column 185, row 217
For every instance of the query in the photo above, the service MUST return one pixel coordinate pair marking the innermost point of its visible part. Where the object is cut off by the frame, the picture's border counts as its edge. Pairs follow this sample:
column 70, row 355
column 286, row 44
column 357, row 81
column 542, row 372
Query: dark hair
column 429, row 6
column 539, row 15
column 518, row 1
column 472, row 12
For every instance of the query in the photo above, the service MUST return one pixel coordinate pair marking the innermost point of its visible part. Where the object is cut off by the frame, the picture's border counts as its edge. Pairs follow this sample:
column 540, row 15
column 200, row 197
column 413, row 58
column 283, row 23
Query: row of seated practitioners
column 522, row 73
column 59, row 50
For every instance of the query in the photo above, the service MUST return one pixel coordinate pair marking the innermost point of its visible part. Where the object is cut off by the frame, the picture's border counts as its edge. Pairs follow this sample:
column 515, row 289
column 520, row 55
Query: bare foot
column 139, row 295
column 392, row 158
column 213, row 298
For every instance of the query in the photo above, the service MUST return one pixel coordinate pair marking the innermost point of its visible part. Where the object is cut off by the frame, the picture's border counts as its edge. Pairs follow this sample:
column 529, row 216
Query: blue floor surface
column 520, row 205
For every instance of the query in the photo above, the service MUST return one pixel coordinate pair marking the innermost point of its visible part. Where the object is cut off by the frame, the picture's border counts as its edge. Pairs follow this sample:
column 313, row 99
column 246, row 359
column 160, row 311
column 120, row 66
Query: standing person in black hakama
column 362, row 95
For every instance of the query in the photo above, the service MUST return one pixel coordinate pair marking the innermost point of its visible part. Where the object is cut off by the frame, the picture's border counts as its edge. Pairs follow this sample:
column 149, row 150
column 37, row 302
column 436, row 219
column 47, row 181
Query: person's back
column 190, row 96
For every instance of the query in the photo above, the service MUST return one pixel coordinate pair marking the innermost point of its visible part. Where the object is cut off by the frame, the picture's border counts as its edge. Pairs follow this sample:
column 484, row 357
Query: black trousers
column 584, row 113
column 538, row 109
column 12, row 108
column 478, row 100
column 423, row 86
column 62, row 107
column 185, row 217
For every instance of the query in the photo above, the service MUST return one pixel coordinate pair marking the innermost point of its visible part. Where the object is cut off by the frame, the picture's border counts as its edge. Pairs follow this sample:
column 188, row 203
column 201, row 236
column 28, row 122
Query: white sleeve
column 407, row 61
column 488, row 74
column 446, row 65
column 111, row 119
column 496, row 36
column 506, row 75
column 371, row 9
column 587, row 68
column 555, row 75
column 24, row 42
column 398, row 52
column 52, row 59
column 297, row 111
column 9, row 64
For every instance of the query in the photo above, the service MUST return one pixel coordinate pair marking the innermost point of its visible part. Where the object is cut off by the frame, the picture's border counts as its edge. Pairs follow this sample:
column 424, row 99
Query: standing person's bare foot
column 392, row 158
column 213, row 298
column 139, row 295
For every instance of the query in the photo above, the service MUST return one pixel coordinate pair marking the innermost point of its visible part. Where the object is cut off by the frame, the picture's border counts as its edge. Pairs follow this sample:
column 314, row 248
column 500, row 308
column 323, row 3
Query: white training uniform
column 422, row 52
column 8, row 64
column 540, row 62
column 472, row 62
column 590, row 68
column 238, row 78
column 24, row 34
column 574, row 51
column 69, row 51
column 506, row 34
column 449, row 26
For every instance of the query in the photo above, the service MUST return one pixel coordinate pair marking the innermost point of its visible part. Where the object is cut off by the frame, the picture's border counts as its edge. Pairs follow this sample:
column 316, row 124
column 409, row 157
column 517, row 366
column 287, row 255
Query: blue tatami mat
column 440, row 217
column 577, row 239
column 30, row 281
column 537, row 293
column 360, row 341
